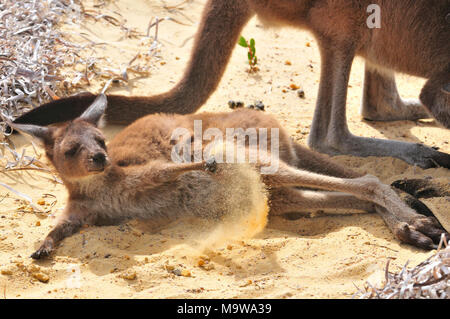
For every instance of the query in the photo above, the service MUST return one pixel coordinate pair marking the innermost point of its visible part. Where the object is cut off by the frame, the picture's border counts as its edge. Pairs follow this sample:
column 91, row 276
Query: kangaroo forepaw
column 211, row 165
column 44, row 251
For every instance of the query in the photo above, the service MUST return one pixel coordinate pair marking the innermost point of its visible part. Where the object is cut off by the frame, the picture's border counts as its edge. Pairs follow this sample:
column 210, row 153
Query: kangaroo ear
column 96, row 110
column 42, row 133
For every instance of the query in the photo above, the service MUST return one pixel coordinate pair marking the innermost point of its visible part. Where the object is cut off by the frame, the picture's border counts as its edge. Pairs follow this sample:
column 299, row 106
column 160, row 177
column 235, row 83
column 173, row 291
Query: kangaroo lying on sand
column 413, row 38
column 136, row 178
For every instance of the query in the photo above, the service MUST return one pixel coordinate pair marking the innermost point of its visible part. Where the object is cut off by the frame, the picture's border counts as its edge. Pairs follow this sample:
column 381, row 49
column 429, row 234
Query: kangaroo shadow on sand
column 318, row 227
column 109, row 249
column 401, row 130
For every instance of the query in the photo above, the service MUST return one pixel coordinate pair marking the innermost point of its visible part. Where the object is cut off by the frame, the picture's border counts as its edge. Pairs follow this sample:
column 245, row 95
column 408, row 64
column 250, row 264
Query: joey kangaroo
column 413, row 39
column 134, row 176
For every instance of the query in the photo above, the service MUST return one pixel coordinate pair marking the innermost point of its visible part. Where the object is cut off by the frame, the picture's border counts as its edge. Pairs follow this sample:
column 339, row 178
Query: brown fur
column 413, row 39
column 136, row 178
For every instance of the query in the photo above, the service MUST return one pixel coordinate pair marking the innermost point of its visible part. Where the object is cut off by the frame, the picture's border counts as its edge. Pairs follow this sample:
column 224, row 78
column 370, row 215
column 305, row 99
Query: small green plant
column 252, row 59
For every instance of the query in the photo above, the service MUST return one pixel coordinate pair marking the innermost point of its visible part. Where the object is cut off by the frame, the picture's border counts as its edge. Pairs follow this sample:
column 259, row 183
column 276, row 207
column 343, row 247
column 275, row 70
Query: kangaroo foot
column 382, row 102
column 422, row 188
column 403, row 110
column 430, row 227
column 412, row 189
column 407, row 234
column 412, row 153
column 421, row 232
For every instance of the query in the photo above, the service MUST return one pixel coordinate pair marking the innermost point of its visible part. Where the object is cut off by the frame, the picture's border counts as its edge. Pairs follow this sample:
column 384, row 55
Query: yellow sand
column 308, row 258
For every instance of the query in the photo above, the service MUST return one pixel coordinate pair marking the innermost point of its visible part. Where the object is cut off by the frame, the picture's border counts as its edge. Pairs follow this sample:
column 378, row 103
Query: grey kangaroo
column 413, row 39
column 135, row 177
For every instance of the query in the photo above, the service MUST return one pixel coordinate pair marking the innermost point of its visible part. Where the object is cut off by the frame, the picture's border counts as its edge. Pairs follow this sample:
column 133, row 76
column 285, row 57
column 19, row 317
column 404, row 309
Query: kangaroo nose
column 99, row 158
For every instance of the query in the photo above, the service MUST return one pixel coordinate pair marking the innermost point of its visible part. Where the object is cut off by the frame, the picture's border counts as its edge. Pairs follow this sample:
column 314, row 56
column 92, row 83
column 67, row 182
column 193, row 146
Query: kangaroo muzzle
column 98, row 162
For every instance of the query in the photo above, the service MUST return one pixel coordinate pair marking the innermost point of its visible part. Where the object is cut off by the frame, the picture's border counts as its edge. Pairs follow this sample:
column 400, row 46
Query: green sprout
column 252, row 59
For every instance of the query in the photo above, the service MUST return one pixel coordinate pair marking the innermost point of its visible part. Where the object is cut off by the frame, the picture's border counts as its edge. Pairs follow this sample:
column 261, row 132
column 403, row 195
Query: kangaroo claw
column 211, row 165
column 43, row 251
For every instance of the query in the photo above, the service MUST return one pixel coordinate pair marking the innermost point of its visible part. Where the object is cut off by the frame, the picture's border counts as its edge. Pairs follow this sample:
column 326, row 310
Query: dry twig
column 428, row 280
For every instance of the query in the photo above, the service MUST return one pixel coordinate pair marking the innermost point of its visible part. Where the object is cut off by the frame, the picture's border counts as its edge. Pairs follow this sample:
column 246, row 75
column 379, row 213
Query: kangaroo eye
column 101, row 143
column 72, row 151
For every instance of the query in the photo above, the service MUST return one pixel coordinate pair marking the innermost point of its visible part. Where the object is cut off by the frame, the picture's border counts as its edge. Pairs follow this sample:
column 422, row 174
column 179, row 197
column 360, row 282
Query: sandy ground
column 322, row 257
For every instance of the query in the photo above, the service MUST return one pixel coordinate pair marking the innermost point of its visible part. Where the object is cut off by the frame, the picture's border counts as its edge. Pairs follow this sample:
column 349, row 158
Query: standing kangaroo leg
column 319, row 127
column 367, row 188
column 381, row 101
column 435, row 96
column 329, row 131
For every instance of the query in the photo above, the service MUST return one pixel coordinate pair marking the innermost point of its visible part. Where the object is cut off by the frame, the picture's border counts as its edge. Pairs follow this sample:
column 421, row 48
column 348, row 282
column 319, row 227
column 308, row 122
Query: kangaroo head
column 77, row 149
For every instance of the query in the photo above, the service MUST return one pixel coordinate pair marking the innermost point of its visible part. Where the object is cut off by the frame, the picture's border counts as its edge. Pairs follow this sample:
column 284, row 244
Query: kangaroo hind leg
column 287, row 200
column 367, row 188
